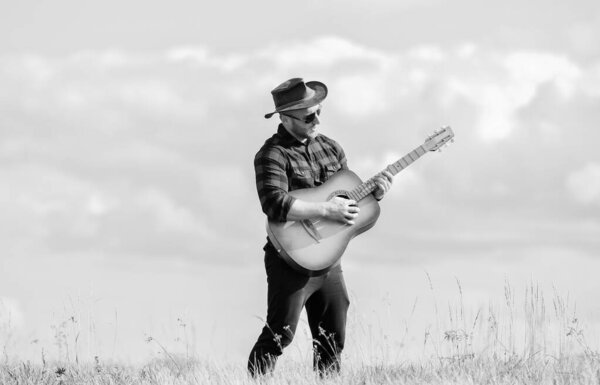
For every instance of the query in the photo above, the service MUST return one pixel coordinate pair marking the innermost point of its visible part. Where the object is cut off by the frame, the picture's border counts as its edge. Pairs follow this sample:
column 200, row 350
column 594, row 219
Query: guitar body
column 315, row 246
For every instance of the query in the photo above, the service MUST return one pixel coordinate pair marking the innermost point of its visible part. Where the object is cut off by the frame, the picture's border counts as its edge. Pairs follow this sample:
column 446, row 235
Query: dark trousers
column 326, row 301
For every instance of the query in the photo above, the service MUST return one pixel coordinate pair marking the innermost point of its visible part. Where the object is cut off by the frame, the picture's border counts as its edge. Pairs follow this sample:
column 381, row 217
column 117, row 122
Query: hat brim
column 319, row 95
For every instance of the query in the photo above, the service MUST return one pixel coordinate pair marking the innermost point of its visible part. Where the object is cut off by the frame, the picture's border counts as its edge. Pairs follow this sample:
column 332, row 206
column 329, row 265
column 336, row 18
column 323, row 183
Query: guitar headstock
column 439, row 138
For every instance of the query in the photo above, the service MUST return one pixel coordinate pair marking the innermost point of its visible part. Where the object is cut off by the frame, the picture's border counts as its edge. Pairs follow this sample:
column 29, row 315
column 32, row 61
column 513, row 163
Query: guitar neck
column 367, row 187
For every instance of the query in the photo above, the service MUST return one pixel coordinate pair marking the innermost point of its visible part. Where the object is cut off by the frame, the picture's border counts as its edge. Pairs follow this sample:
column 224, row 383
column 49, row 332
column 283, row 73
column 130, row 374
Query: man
column 298, row 157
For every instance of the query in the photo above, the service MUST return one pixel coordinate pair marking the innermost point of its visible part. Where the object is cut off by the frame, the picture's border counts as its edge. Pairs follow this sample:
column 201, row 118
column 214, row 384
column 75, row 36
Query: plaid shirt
column 285, row 164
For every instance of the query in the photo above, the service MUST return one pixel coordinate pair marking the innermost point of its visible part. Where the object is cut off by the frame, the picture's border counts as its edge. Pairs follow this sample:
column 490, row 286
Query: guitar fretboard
column 367, row 187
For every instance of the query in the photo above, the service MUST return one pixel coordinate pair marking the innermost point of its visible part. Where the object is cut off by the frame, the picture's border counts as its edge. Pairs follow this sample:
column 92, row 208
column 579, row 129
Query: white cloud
column 427, row 53
column 137, row 135
column 103, row 60
column 497, row 112
column 171, row 216
column 528, row 70
column 99, row 204
column 503, row 84
column 360, row 95
column 44, row 207
column 153, row 97
column 43, row 190
column 591, row 83
column 196, row 54
column 466, row 50
column 584, row 184
column 201, row 56
column 323, row 52
column 365, row 81
column 91, row 90
column 30, row 69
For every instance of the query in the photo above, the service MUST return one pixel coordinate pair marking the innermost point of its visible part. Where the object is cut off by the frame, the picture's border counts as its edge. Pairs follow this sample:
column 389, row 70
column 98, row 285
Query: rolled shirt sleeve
column 272, row 183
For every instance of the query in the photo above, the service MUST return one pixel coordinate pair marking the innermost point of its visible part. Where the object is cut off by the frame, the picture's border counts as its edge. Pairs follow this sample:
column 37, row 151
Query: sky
column 128, row 131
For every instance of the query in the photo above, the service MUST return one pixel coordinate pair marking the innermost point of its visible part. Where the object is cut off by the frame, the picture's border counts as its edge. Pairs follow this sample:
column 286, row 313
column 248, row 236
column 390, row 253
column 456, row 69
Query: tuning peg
column 452, row 140
column 440, row 149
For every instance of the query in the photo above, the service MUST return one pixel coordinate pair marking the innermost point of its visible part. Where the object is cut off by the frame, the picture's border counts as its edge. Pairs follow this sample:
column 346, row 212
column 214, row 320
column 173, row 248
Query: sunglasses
column 308, row 118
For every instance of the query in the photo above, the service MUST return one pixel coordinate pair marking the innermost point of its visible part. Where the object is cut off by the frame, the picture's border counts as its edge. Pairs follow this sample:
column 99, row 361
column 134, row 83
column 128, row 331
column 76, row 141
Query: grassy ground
column 462, row 370
column 525, row 341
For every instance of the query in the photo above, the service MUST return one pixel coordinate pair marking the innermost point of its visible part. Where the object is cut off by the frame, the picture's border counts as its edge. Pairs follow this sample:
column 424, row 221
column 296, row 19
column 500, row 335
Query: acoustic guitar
column 314, row 246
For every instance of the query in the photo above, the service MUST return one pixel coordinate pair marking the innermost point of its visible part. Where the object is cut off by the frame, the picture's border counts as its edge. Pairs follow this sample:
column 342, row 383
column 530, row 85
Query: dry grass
column 470, row 370
column 527, row 342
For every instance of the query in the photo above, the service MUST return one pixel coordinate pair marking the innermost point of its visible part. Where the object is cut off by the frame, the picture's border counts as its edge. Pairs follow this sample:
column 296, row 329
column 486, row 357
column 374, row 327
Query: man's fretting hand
column 342, row 210
column 384, row 182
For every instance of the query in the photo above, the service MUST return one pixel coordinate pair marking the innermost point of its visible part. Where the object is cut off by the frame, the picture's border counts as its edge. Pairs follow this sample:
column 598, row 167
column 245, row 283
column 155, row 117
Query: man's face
column 298, row 126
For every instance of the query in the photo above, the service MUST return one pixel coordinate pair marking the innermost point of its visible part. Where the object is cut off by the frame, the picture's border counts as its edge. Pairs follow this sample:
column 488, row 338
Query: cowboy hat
column 295, row 94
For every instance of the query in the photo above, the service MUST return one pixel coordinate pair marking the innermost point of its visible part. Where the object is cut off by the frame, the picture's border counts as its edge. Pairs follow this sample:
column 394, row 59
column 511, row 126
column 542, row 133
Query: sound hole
column 339, row 193
column 343, row 195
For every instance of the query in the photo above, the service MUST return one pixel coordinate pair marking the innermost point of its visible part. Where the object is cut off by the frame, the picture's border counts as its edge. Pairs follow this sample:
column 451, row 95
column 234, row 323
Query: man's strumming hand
column 342, row 210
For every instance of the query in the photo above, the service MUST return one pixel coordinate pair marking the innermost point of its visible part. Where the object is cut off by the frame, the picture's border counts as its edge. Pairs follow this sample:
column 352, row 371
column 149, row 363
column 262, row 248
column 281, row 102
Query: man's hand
column 384, row 183
column 342, row 210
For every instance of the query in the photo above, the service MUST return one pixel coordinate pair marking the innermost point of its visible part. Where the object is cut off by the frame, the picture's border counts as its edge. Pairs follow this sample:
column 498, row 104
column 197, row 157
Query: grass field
column 575, row 369
column 529, row 341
